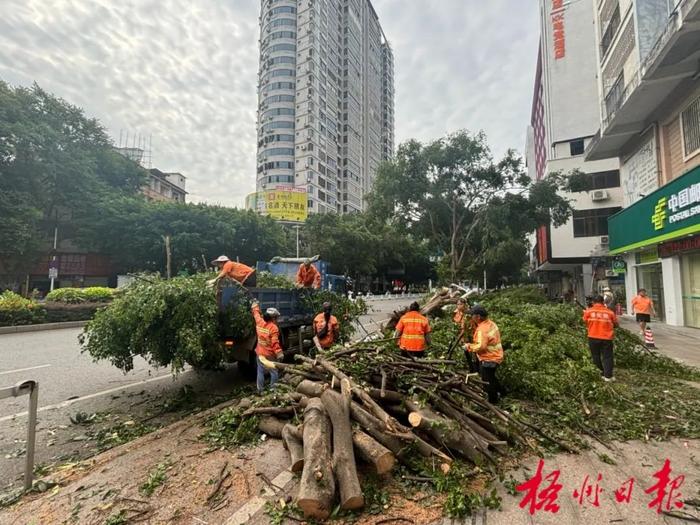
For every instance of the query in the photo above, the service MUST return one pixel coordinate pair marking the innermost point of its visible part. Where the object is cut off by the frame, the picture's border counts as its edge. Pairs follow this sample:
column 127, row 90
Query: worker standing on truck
column 643, row 308
column 234, row 270
column 601, row 322
column 268, row 347
column 326, row 327
column 413, row 332
column 486, row 344
column 308, row 276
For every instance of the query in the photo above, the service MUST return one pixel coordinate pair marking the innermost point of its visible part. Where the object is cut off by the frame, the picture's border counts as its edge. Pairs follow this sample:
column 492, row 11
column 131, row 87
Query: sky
column 184, row 73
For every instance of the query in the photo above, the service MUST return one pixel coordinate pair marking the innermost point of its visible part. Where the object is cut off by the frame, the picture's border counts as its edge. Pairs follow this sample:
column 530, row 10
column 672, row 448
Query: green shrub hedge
column 94, row 294
column 16, row 310
column 61, row 313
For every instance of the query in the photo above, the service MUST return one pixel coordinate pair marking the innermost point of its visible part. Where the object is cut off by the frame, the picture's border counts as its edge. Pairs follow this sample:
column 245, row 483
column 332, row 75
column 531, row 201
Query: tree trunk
column 292, row 436
column 311, row 388
column 271, row 426
column 317, row 485
column 338, row 409
column 372, row 452
column 445, row 431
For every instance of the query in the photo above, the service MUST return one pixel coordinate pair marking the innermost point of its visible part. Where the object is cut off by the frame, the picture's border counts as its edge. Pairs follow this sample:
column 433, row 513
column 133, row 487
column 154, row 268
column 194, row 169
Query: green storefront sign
column 670, row 212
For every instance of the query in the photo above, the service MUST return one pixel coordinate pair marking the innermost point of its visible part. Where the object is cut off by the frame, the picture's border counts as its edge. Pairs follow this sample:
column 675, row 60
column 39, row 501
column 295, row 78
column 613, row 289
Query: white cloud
column 185, row 72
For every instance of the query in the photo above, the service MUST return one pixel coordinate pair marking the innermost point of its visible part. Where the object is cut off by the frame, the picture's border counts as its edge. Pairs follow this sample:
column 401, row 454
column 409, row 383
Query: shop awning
column 671, row 212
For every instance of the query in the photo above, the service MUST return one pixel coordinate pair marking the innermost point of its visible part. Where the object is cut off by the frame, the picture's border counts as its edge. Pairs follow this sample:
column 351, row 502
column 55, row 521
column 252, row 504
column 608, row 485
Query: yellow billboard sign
column 282, row 203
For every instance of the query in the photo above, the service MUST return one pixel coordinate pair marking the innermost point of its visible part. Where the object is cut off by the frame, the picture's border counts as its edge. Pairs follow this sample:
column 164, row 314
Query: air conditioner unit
column 599, row 195
column 604, row 240
column 610, row 273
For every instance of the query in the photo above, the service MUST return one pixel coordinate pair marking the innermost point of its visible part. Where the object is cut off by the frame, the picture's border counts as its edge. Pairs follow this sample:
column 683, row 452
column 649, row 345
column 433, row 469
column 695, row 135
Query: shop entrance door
column 649, row 277
column 690, row 270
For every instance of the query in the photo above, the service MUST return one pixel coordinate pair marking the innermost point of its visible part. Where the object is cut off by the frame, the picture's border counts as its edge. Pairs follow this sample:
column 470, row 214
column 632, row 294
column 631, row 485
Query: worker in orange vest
column 486, row 344
column 601, row 322
column 240, row 272
column 413, row 332
column 268, row 348
column 308, row 276
column 326, row 327
column 643, row 308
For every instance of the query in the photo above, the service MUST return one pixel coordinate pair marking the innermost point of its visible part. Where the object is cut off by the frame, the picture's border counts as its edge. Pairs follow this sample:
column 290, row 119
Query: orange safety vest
column 268, row 336
column 601, row 322
column 319, row 323
column 458, row 318
column 238, row 271
column 487, row 342
column 413, row 326
column 309, row 277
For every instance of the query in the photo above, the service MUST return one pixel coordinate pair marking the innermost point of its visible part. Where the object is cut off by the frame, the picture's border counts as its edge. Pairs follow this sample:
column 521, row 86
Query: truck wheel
column 248, row 369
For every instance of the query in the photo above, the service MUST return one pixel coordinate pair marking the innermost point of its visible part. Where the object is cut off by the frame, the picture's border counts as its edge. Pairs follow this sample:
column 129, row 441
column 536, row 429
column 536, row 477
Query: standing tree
column 451, row 191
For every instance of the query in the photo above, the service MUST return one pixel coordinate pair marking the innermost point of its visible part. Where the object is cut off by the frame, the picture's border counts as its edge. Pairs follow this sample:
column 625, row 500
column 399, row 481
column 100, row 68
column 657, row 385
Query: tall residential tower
column 325, row 100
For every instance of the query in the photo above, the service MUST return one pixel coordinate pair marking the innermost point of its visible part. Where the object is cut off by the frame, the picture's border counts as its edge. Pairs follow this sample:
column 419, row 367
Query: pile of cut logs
column 369, row 402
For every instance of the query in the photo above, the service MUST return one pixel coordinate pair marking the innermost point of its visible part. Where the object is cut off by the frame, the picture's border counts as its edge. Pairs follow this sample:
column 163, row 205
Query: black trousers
column 251, row 281
column 488, row 376
column 602, row 355
column 414, row 355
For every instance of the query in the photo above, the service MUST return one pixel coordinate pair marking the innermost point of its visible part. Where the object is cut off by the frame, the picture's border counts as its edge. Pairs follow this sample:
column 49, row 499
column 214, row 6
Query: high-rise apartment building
column 326, row 100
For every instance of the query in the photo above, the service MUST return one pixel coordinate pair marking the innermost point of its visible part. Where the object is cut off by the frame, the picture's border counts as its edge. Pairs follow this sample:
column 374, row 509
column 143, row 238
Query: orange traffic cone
column 649, row 338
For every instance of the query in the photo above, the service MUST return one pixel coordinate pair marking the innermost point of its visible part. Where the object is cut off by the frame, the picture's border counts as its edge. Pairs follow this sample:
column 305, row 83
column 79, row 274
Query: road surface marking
column 252, row 506
column 64, row 404
column 23, row 369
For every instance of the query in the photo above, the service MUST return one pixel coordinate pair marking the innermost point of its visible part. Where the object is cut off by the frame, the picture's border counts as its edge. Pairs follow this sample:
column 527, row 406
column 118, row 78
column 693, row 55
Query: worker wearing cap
column 268, row 349
column 326, row 327
column 413, row 332
column 308, row 276
column 234, row 270
column 486, row 344
column 601, row 322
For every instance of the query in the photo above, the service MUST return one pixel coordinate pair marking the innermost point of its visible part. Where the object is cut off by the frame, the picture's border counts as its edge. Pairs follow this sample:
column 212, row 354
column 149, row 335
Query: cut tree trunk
column 292, row 436
column 317, row 485
column 338, row 409
column 271, row 426
column 446, row 431
column 374, row 453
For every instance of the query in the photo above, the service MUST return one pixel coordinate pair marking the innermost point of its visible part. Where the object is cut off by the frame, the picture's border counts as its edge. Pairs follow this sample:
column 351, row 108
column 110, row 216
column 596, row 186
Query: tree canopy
column 476, row 212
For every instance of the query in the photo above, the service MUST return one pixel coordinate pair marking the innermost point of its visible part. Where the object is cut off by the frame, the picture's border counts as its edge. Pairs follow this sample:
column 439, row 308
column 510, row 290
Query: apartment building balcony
column 630, row 103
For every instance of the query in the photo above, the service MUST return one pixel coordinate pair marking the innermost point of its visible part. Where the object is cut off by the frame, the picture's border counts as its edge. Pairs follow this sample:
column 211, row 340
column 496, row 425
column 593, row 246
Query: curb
column 40, row 327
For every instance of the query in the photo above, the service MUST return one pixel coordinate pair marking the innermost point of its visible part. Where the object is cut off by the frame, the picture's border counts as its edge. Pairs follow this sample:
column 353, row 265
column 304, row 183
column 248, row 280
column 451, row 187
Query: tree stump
column 317, row 485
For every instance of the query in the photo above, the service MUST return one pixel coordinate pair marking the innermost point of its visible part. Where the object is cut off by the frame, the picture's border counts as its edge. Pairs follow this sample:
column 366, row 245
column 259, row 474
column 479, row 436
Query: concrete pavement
column 679, row 342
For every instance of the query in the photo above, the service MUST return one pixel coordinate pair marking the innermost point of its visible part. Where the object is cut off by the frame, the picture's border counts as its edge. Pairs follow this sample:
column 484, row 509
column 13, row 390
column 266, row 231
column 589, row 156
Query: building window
column 604, row 179
column 690, row 125
column 576, row 147
column 592, row 223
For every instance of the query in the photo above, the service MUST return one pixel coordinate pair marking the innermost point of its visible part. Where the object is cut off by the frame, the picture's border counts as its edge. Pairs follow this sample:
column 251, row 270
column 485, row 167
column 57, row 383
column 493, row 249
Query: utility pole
column 484, row 279
column 52, row 265
column 297, row 227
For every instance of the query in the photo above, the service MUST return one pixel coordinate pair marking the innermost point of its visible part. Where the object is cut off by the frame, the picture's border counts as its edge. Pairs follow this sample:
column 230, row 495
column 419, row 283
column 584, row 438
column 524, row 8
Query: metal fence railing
column 30, row 388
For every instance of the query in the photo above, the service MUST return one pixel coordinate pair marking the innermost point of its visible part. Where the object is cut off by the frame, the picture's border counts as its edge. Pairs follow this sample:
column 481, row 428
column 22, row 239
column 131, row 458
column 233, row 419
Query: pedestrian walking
column 608, row 297
column 601, row 322
column 643, row 308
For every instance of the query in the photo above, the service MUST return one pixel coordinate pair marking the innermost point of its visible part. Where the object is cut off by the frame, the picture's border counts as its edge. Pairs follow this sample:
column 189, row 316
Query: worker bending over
column 601, row 322
column 413, row 332
column 234, row 270
column 308, row 276
column 268, row 347
column 326, row 327
column 486, row 344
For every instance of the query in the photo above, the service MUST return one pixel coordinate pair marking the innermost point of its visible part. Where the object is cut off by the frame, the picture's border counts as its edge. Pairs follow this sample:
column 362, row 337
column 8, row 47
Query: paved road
column 70, row 381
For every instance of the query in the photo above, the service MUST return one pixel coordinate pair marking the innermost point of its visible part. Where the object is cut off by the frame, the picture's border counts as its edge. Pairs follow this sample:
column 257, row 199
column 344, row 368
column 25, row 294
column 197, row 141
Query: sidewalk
column 679, row 342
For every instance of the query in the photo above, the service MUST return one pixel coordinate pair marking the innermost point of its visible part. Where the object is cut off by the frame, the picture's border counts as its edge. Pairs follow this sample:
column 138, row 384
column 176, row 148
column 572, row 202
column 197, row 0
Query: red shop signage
column 668, row 249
